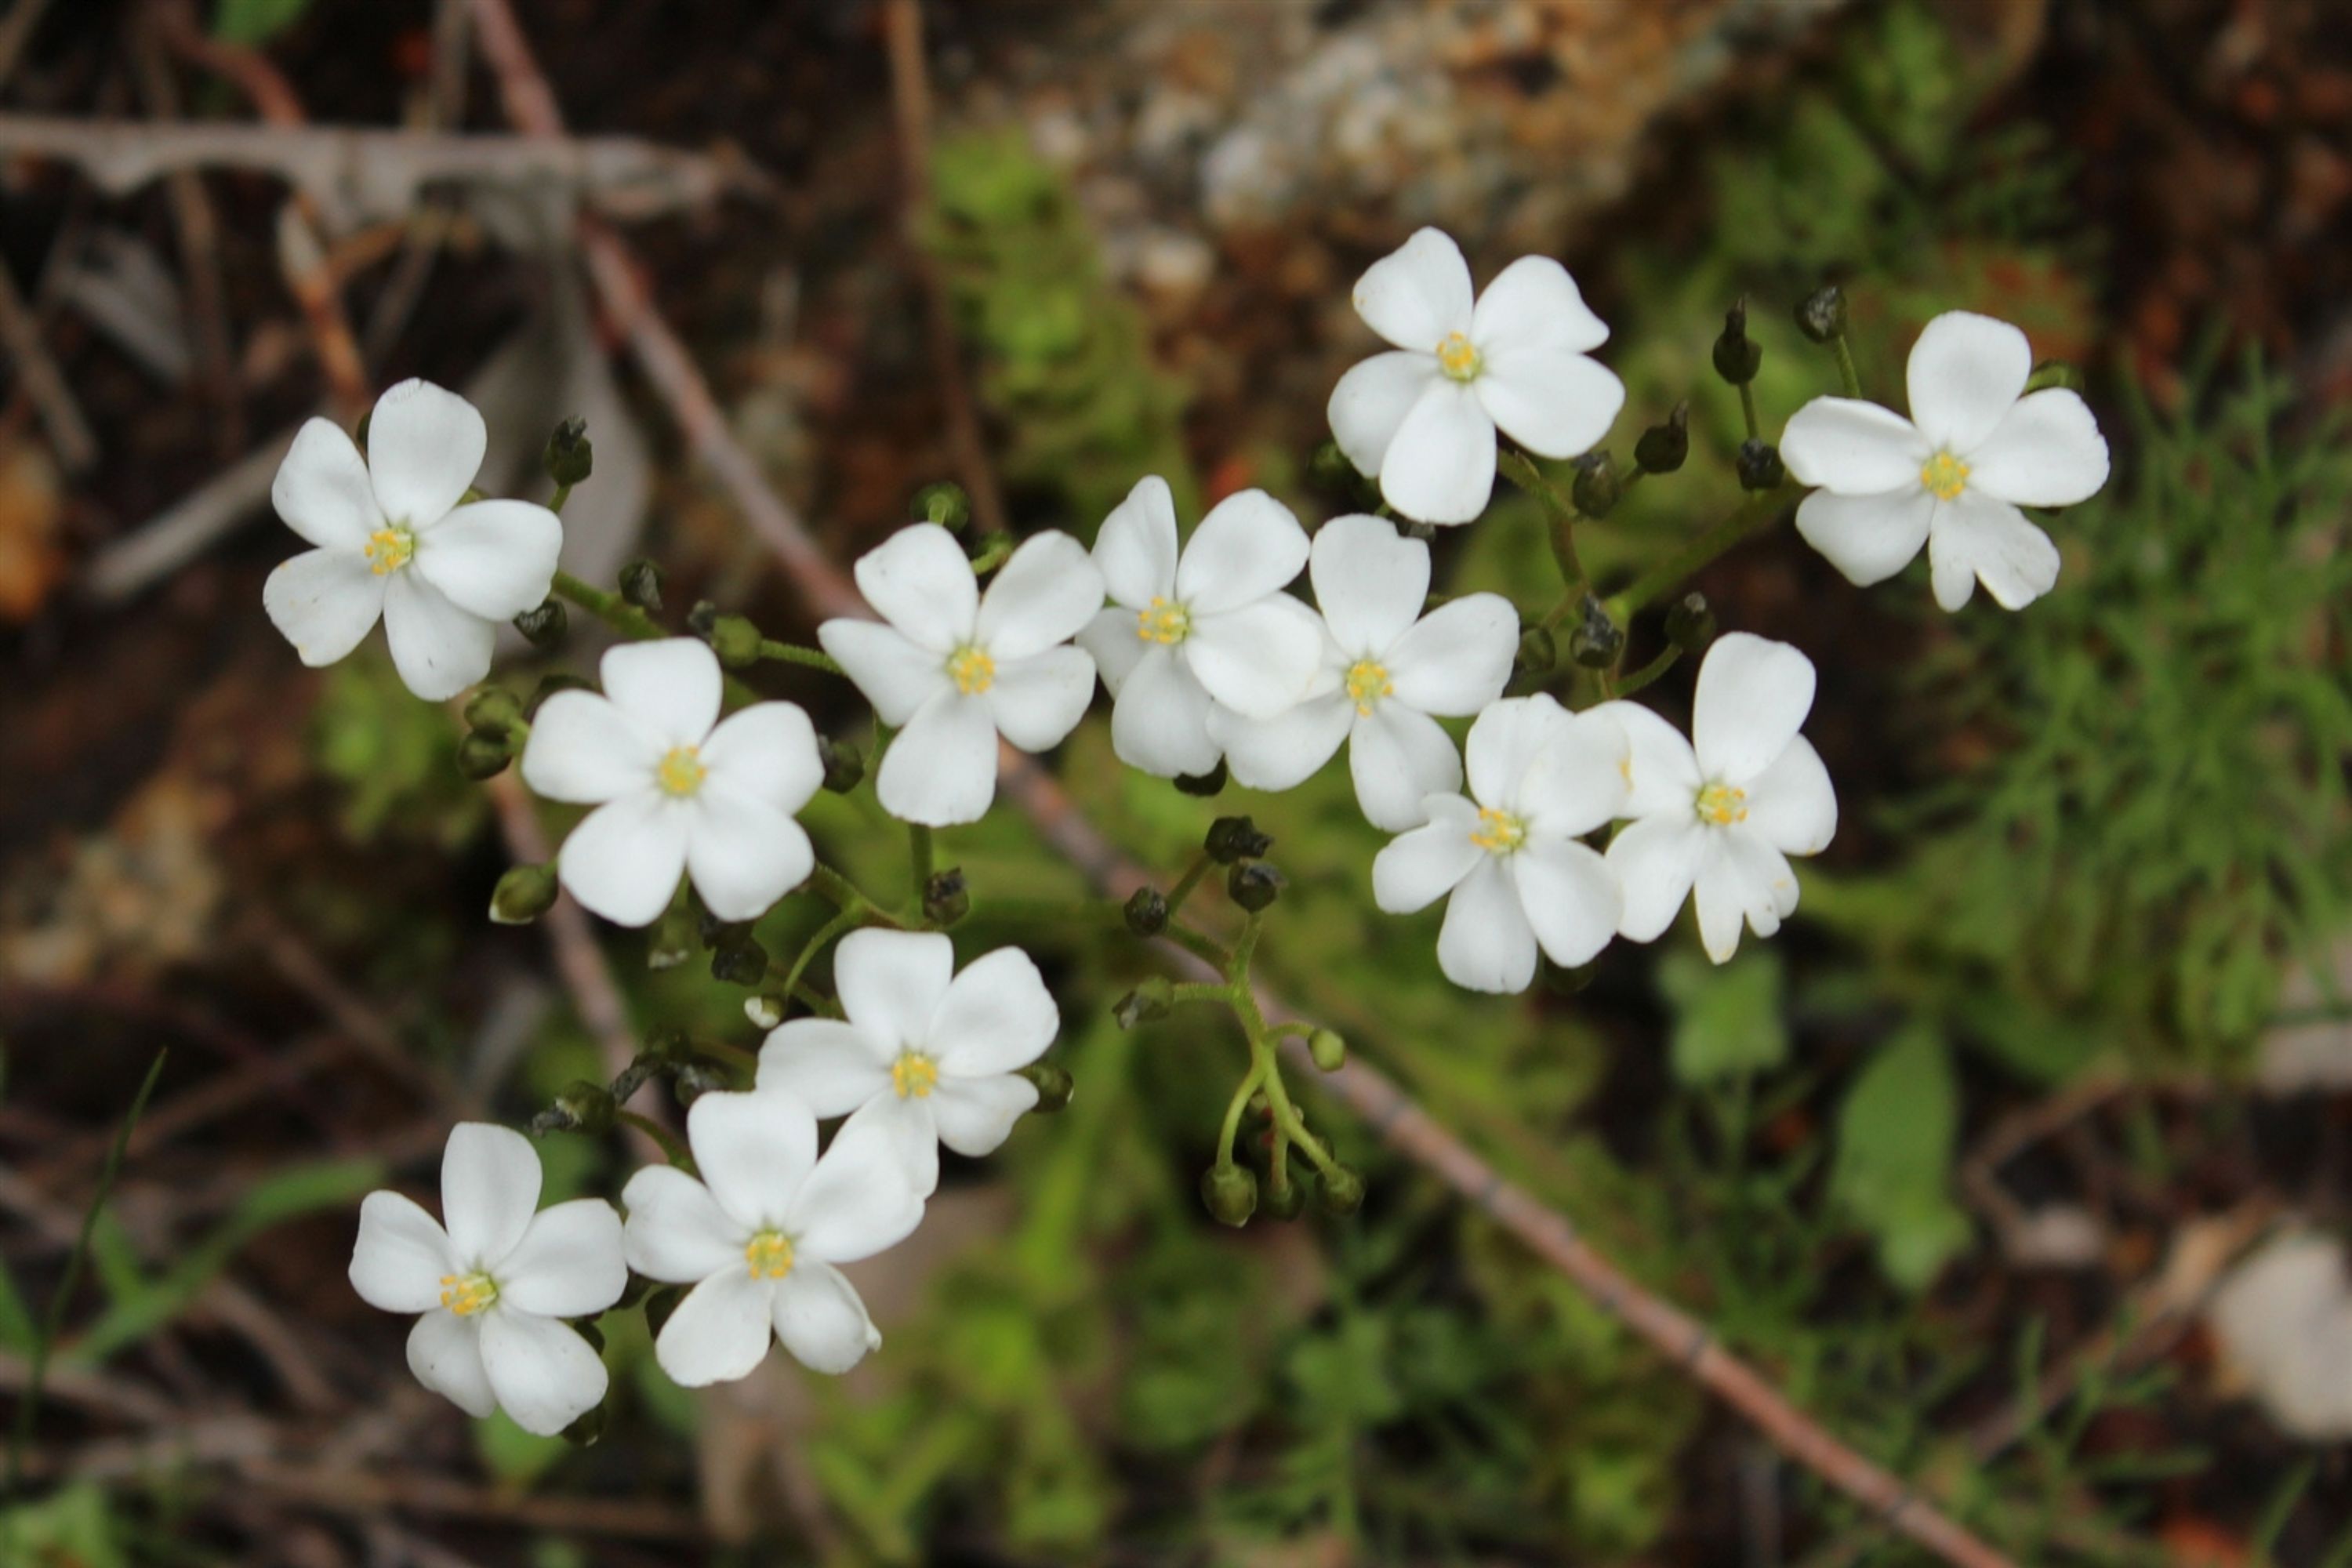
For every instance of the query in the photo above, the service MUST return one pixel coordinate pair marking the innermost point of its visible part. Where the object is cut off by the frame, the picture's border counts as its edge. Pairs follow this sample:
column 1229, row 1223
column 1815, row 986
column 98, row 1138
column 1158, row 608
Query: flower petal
column 1753, row 694
column 1372, row 400
column 891, row 983
column 997, row 1016
column 1977, row 537
column 765, row 753
column 755, row 1151
column 830, row 1067
column 1720, row 894
column 743, row 854
column 424, row 446
column 1249, row 546
column 1161, row 721
column 584, row 749
column 569, row 1262
column 1440, row 469
column 1418, row 293
column 1260, row 659
column 677, row 1232
column 1485, row 943
column 1742, row 878
column 900, row 1131
column 1657, row 860
column 940, row 770
column 1851, row 448
column 1110, row 639
column 2048, row 452
column 1534, row 302
column 323, row 491
column 1554, row 402
column 920, row 581
column 719, row 1332
column 1136, row 546
column 1571, row 897
column 489, row 1188
column 1398, row 758
column 1503, row 745
column 1577, row 779
column 1042, row 596
column 324, row 602
column 1662, row 770
column 672, row 687
column 1869, row 537
column 1036, row 701
column 1772, row 880
column 493, row 558
column 1455, row 660
column 1422, row 867
column 895, row 675
column 444, row 1353
column 975, row 1115
column 1283, row 752
column 1791, row 805
column 858, row 1200
column 1369, row 582
column 438, row 648
column 623, row 860
column 820, row 1320
column 1966, row 373
column 401, row 1254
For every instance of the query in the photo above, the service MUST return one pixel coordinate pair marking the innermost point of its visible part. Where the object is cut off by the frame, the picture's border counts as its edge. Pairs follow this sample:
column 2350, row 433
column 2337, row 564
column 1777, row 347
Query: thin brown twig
column 43, row 384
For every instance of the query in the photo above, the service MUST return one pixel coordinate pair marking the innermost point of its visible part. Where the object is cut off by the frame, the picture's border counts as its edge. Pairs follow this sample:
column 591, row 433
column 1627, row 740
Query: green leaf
column 1895, row 1135
column 1727, row 1017
column 255, row 22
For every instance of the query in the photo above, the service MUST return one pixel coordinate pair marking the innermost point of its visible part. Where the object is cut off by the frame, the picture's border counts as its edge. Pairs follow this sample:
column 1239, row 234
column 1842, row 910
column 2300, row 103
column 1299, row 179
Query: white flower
column 494, row 1287
column 1210, row 624
column 759, row 1234
column 1386, row 669
column 392, row 541
column 927, row 1055
column 957, row 667
column 1954, row 480
column 675, row 788
column 1725, row 816
column 1539, row 777
column 1422, row 419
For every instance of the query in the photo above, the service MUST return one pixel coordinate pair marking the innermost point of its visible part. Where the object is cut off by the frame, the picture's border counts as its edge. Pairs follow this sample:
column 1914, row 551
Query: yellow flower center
column 770, row 1254
column 466, row 1294
column 973, row 670
column 389, row 549
column 1722, row 805
column 914, row 1075
column 680, row 772
column 1945, row 476
column 1164, row 622
column 1499, row 833
column 1458, row 357
column 1367, row 683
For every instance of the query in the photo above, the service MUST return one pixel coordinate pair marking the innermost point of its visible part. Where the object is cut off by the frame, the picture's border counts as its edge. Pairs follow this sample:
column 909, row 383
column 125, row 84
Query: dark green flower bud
column 1147, row 912
column 1426, row 532
column 545, row 627
column 1230, row 1191
column 641, row 585
column 946, row 897
column 1759, row 466
column 1329, row 1051
column 1053, row 1085
column 569, row 457
column 1328, row 467
column 943, row 503
column 1821, row 315
column 844, row 765
column 360, row 431
column 694, row 1080
column 1202, row 785
column 1598, row 640
column 1231, row 838
column 1737, row 355
column 493, row 708
column 765, row 1010
column 1597, row 486
column 740, row 961
column 586, row 1108
column 672, row 940
column 1255, row 885
column 734, row 640
column 659, row 1305
column 1539, row 653
column 1690, row 622
column 1286, row 1199
column 1562, row 981
column 2052, row 373
column 548, row 685
column 522, row 895
column 1341, row 1190
column 1153, row 997
column 482, row 755
column 1663, row 448
column 585, row 1432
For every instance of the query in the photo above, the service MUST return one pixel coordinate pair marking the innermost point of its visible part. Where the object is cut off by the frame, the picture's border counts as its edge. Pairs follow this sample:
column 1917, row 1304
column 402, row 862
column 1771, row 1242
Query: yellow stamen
column 389, row 549
column 914, row 1075
column 1368, row 683
column 466, row 1294
column 973, row 670
column 770, row 1254
column 680, row 773
column 1499, row 833
column 1945, row 476
column 1458, row 357
column 1164, row 623
column 1722, row 805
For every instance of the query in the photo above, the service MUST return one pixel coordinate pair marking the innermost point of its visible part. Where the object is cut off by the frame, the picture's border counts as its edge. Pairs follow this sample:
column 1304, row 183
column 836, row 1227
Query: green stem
column 793, row 652
column 555, row 503
column 1522, row 472
column 672, row 1150
column 1756, row 513
column 1187, row 882
column 1239, row 1103
column 1748, row 409
column 609, row 608
column 1846, row 372
column 845, row 895
column 1649, row 671
column 732, row 1054
column 919, row 850
column 1202, row 991
column 850, row 918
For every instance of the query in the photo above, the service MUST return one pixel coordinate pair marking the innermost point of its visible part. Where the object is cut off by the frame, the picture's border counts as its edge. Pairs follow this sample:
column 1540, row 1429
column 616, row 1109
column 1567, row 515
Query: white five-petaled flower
column 957, row 667
column 492, row 1289
column 1386, row 669
column 675, row 788
column 927, row 1055
column 1722, row 815
column 392, row 541
column 1952, row 477
column 1208, row 622
column 1423, row 417
column 759, row 1234
column 1539, row 777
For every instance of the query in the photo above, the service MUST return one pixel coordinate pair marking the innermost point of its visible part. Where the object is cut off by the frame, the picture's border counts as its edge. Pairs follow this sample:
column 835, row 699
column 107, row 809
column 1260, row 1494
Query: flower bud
column 482, row 755
column 1539, row 653
column 943, row 503
column 1663, row 448
column 1230, row 1191
column 845, row 765
column 1690, row 622
column 570, row 458
column 672, row 940
column 585, row 1432
column 522, row 895
column 1821, row 315
column 1286, row 1199
column 641, row 585
column 1567, row 981
column 360, row 431
column 1055, row 1087
column 1147, row 912
column 740, row 961
column 1231, row 838
column 2052, row 373
column 543, row 627
column 1341, row 1190
column 766, row 1009
column 1759, row 466
column 493, row 708
column 1153, row 997
column 1202, row 785
column 1255, row 885
column 1328, row 467
column 548, row 685
column 694, row 1080
column 1599, row 640
column 946, row 897
column 586, row 1108
column 1737, row 355
column 659, row 1304
column 1329, row 1051
column 733, row 638
column 1597, row 487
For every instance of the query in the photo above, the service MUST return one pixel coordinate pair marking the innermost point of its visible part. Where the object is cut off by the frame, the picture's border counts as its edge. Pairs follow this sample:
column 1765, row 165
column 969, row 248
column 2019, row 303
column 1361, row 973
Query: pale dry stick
column 43, row 384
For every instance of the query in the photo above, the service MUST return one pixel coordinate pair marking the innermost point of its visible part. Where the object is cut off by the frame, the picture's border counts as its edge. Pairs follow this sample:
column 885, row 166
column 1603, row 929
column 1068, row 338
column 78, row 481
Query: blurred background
column 2023, row 1159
